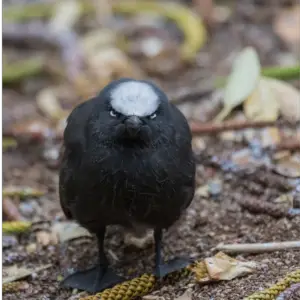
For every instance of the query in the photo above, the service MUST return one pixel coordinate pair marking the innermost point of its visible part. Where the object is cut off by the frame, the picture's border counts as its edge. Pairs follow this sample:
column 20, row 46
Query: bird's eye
column 153, row 116
column 113, row 113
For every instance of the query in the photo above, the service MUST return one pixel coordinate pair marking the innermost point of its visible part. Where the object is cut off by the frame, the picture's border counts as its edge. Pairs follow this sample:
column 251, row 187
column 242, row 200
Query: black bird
column 127, row 160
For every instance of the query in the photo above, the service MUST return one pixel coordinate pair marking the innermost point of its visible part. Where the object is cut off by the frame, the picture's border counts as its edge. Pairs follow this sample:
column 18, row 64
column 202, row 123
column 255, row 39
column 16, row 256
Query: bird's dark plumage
column 110, row 175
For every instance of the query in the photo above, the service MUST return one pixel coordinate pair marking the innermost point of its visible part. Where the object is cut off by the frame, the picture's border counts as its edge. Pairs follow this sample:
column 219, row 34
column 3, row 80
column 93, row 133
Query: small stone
column 31, row 248
column 9, row 241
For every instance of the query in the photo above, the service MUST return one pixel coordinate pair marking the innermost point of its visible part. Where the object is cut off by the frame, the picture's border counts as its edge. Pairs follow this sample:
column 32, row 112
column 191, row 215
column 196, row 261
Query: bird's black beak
column 133, row 125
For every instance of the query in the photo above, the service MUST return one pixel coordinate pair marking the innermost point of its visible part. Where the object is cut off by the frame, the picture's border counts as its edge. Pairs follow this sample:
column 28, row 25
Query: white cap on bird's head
column 134, row 98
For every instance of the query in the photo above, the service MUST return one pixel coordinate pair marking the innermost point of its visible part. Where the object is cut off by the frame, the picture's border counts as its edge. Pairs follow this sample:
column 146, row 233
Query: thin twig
column 290, row 145
column 258, row 247
column 210, row 128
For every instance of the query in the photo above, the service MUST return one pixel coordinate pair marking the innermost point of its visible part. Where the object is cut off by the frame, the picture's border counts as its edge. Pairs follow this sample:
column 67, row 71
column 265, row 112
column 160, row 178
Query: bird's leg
column 161, row 268
column 97, row 278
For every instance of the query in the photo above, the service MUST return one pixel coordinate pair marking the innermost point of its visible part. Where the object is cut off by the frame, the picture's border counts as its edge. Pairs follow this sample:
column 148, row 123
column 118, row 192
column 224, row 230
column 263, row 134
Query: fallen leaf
column 288, row 98
column 48, row 103
column 287, row 199
column 14, row 273
column 287, row 26
column 31, row 248
column 96, row 39
column 104, row 13
column 65, row 16
column 270, row 137
column 15, row 227
column 221, row 13
column 224, row 267
column 139, row 242
column 279, row 155
column 46, row 238
column 289, row 167
column 202, row 191
column 14, row 287
column 67, row 231
column 22, row 192
column 221, row 267
column 185, row 296
column 262, row 104
column 241, row 82
column 8, row 143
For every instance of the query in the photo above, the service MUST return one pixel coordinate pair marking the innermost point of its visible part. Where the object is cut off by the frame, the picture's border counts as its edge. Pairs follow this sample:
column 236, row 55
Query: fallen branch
column 210, row 128
column 290, row 145
column 258, row 247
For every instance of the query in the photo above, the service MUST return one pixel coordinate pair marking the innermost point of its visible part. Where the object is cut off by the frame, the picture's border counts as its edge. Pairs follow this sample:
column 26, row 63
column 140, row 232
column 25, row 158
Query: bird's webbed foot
column 93, row 280
column 97, row 278
column 164, row 268
column 176, row 264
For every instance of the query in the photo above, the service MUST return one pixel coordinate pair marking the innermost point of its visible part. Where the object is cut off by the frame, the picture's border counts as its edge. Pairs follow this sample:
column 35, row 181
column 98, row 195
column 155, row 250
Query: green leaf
column 241, row 82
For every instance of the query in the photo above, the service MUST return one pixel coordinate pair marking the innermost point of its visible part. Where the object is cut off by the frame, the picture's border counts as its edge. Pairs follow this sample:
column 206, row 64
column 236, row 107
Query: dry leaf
column 288, row 98
column 223, row 267
column 48, row 103
column 46, row 238
column 104, row 11
column 67, row 231
column 262, row 104
column 270, row 137
column 287, row 26
column 287, row 199
column 289, row 167
column 186, row 296
column 97, row 39
column 202, row 191
column 241, row 82
column 8, row 143
column 21, row 192
column 139, row 242
column 66, row 14
column 105, row 62
column 13, row 273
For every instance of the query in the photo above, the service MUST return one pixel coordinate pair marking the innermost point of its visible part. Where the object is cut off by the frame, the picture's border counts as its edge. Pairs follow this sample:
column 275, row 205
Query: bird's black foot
column 171, row 266
column 92, row 280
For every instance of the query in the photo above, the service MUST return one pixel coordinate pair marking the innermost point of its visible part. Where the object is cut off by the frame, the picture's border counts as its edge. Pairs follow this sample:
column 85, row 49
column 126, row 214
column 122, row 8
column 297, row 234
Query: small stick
column 288, row 145
column 258, row 247
column 209, row 128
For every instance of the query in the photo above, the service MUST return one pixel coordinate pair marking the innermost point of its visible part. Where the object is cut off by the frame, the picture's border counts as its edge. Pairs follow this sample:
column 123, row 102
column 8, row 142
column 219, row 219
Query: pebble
column 9, row 241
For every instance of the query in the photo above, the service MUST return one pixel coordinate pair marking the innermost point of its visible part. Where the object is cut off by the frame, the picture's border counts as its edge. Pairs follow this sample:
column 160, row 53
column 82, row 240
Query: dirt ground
column 211, row 219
